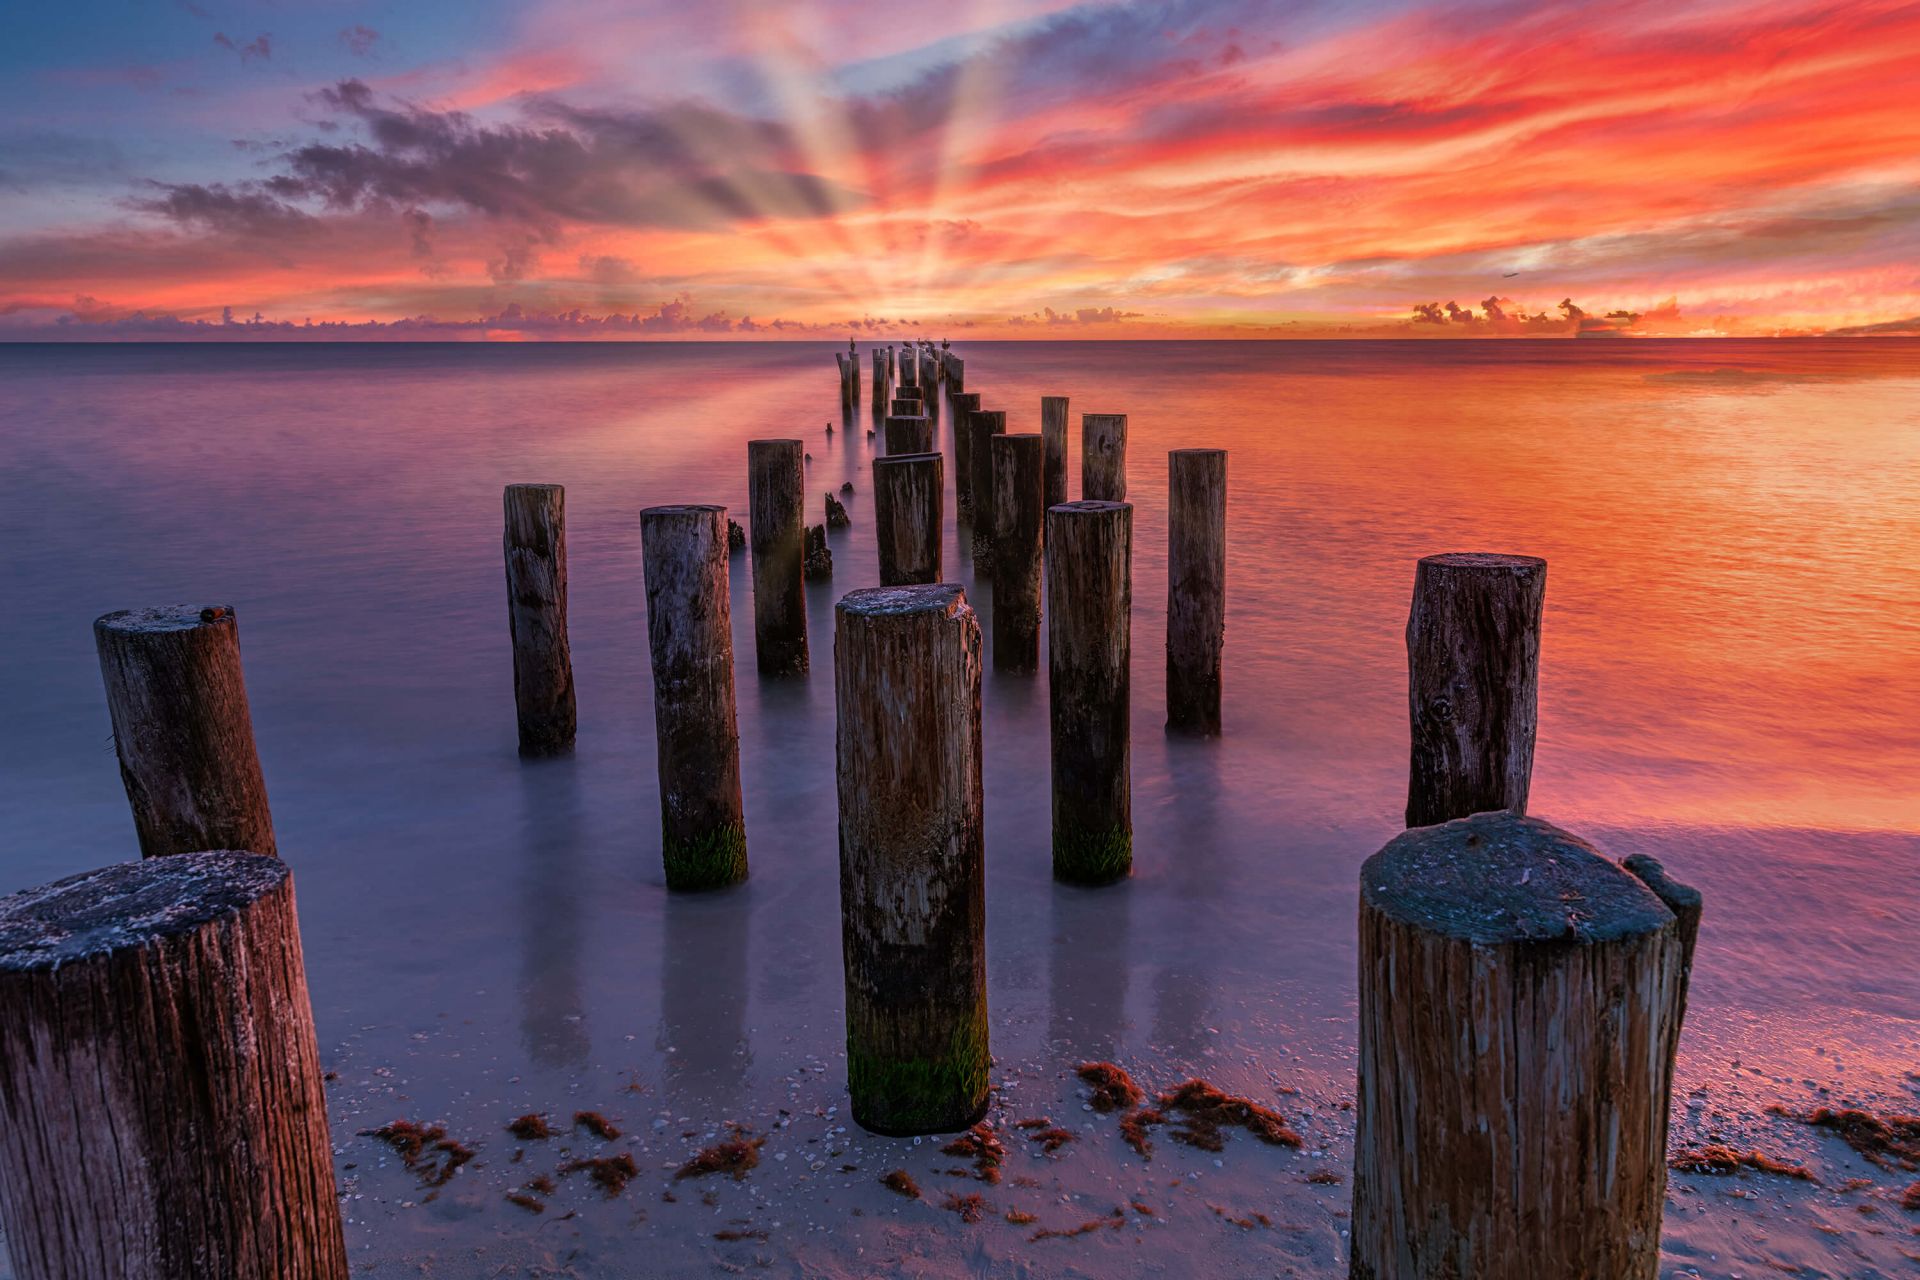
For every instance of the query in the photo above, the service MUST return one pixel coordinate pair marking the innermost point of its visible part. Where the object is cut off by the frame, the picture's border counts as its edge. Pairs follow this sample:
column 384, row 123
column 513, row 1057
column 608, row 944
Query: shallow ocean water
column 1730, row 681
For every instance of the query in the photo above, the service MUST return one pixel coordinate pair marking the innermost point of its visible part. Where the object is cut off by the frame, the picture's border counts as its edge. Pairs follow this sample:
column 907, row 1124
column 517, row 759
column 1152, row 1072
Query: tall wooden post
column 908, row 433
column 965, row 406
column 909, row 367
column 982, row 426
column 162, row 1115
column 690, row 634
column 776, row 515
column 956, row 373
column 880, row 380
column 1089, row 645
column 908, row 502
column 1019, row 481
column 182, row 728
column 536, row 551
column 912, row 865
column 1196, row 587
column 1103, row 457
column 1473, row 667
column 1053, row 426
column 1520, row 1001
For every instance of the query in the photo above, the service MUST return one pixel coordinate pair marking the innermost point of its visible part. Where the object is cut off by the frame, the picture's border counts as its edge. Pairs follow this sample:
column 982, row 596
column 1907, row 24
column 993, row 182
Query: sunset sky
column 993, row 168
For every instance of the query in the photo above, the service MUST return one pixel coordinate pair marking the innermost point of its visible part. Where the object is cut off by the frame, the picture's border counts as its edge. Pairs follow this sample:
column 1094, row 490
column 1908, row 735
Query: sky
column 986, row 168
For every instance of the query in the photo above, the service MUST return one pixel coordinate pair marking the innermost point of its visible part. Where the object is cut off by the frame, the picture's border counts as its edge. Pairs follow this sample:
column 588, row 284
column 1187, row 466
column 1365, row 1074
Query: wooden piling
column 1516, row 1057
column 182, row 729
column 912, row 865
column 908, row 433
column 982, row 426
column 965, row 406
column 1089, row 644
column 1473, row 667
column 1103, row 457
column 1053, row 426
column 905, row 406
column 1196, row 588
column 956, row 373
column 690, row 634
column 1019, row 484
column 880, row 380
column 535, row 543
column 162, row 1115
column 776, row 517
column 908, row 506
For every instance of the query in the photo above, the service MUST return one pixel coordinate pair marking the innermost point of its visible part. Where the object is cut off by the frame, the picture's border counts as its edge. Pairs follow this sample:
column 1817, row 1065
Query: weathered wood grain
column 535, row 543
column 912, row 866
column 965, row 405
column 161, row 1106
column 982, row 426
column 690, row 634
column 1196, row 588
column 776, row 524
column 182, row 728
column 1053, row 426
column 1103, row 457
column 1089, row 643
column 1473, row 679
column 909, row 498
column 908, row 433
column 1520, row 1000
column 1019, row 482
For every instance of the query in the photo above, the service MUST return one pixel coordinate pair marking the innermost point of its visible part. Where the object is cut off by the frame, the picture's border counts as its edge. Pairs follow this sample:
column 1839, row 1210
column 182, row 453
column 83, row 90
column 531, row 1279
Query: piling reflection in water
column 553, row 1014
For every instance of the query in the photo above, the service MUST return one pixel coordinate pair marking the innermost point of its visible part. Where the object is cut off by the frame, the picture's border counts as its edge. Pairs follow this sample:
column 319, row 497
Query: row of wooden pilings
column 1521, row 995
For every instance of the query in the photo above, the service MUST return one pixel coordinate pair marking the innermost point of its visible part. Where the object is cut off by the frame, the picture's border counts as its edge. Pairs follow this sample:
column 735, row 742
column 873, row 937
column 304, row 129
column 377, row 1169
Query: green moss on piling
column 938, row 1094
column 711, row 861
column 1092, row 857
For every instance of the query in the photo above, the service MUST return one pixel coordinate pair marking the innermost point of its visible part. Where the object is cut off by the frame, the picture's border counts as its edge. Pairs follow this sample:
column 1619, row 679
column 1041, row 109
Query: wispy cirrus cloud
column 1203, row 165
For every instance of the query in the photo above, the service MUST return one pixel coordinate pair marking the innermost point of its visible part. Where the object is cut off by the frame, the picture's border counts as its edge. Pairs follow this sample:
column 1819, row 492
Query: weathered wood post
column 905, row 406
column 880, row 381
column 1196, row 587
column 908, row 433
column 1019, row 481
column 1089, row 645
column 536, row 550
column 1103, row 457
column 162, row 1115
column 909, row 367
column 690, row 633
column 912, row 865
column 965, row 406
column 182, row 728
column 1053, row 426
column 982, row 426
column 1520, row 1003
column 849, row 378
column 956, row 373
column 908, row 502
column 1473, row 668
column 776, row 516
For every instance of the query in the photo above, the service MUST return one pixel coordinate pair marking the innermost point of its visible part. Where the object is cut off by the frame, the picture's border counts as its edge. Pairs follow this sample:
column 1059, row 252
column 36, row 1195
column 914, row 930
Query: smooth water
column 1730, row 680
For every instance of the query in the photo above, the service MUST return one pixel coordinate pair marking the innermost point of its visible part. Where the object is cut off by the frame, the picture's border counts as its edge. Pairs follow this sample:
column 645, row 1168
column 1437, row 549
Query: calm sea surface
column 1730, row 680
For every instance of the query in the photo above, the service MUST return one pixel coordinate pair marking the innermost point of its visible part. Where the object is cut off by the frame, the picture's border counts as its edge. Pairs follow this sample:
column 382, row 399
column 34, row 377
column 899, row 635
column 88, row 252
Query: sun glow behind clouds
column 1199, row 167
